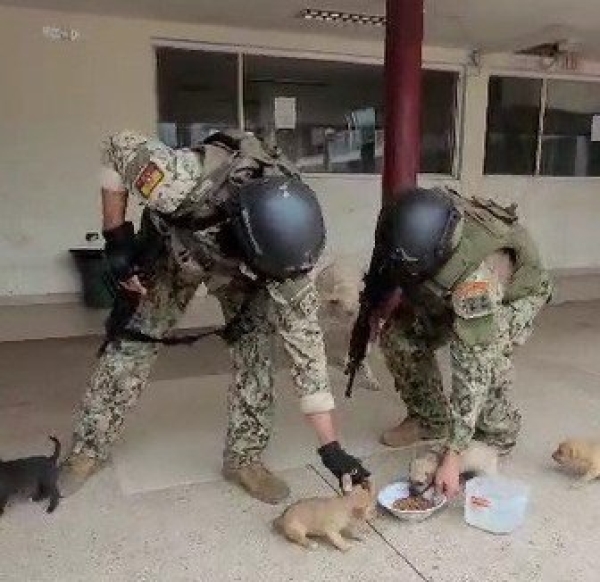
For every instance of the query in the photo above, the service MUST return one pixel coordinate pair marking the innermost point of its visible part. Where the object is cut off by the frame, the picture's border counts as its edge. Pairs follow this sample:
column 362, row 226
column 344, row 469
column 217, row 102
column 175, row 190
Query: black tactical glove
column 120, row 251
column 340, row 463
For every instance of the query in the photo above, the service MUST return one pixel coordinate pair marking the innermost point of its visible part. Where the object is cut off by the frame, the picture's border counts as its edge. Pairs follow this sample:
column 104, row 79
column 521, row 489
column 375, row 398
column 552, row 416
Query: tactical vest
column 488, row 228
column 229, row 160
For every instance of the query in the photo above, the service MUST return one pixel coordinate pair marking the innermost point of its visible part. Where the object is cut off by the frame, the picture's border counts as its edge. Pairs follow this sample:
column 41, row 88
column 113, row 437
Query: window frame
column 242, row 50
column 545, row 78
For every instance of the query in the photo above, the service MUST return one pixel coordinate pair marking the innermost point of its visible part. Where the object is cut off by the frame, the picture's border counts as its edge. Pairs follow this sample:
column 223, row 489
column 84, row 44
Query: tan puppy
column 339, row 284
column 339, row 287
column 477, row 459
column 332, row 518
column 580, row 456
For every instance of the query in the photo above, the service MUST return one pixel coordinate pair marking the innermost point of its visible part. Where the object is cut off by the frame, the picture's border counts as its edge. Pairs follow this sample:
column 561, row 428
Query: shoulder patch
column 472, row 289
column 473, row 299
column 148, row 179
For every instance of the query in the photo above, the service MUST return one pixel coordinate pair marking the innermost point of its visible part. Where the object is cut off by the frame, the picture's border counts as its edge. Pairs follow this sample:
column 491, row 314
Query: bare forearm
column 114, row 208
column 324, row 426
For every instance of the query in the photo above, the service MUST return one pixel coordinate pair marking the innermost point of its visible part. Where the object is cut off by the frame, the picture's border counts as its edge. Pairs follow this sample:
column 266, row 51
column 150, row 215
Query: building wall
column 59, row 99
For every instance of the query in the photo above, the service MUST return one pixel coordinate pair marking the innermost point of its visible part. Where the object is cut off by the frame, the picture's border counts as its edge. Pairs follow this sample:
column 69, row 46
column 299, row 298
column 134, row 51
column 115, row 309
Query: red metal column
column 403, row 57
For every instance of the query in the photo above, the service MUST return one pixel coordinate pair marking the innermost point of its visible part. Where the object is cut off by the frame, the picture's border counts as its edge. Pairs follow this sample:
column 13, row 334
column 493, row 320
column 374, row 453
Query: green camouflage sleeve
column 473, row 351
column 160, row 176
column 296, row 305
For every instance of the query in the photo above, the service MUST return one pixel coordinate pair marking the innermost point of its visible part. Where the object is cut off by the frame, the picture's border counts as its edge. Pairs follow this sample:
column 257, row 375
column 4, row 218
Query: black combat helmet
column 416, row 234
column 278, row 223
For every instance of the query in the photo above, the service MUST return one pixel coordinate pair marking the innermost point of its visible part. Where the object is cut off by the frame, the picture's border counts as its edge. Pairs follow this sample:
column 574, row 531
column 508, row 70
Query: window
column 326, row 115
column 523, row 140
column 334, row 120
column 512, row 125
column 197, row 94
column 567, row 146
column 439, row 121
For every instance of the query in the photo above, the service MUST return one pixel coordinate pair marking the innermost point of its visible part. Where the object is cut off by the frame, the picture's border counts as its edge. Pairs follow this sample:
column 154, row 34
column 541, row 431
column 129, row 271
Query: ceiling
column 493, row 25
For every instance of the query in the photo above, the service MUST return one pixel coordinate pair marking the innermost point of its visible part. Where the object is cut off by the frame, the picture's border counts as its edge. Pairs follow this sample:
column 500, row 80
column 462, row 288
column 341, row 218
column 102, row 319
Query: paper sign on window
column 285, row 112
column 596, row 128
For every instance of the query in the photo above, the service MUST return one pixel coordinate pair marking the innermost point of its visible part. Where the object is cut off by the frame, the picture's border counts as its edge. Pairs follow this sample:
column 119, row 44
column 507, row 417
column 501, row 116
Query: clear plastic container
column 496, row 504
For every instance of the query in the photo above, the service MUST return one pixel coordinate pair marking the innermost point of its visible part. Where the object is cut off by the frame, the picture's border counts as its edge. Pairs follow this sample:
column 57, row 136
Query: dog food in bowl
column 413, row 503
column 396, row 498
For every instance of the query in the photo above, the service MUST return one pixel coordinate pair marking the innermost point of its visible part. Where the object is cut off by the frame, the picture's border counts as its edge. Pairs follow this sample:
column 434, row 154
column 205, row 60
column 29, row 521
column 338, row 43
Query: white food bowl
column 388, row 495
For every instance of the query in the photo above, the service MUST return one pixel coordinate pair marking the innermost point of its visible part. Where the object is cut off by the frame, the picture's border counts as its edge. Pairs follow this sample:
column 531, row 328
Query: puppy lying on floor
column 580, row 456
column 477, row 459
column 333, row 518
column 339, row 284
column 35, row 476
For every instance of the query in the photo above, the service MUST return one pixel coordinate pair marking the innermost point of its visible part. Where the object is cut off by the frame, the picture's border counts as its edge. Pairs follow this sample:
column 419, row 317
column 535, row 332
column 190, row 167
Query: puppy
column 580, row 456
column 332, row 518
column 339, row 286
column 477, row 459
column 36, row 476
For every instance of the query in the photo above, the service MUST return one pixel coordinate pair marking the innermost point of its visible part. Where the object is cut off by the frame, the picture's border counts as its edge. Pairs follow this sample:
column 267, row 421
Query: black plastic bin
column 92, row 268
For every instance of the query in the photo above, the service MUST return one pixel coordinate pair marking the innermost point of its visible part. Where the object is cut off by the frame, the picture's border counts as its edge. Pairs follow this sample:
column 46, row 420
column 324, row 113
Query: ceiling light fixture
column 337, row 17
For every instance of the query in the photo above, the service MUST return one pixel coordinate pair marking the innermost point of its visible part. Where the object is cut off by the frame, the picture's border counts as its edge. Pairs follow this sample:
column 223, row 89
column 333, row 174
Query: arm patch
column 148, row 179
column 473, row 299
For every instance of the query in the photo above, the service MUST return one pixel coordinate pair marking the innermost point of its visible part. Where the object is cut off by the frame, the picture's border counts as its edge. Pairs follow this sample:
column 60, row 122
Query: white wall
column 560, row 212
column 59, row 99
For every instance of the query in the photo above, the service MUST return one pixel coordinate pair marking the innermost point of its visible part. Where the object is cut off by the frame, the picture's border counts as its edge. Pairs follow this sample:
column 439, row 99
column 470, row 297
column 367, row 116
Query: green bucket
column 92, row 268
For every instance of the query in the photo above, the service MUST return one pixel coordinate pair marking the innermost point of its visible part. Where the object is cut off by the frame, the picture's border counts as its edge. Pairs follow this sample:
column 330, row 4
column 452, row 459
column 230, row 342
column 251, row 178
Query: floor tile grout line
column 377, row 532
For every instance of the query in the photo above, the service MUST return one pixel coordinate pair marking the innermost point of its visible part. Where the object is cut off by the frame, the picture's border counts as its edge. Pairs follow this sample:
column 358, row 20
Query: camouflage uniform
column 163, row 177
column 482, row 319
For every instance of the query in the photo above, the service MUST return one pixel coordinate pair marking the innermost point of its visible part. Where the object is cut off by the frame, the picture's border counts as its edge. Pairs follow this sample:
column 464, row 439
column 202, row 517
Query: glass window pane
column 197, row 94
column 328, row 116
column 438, row 119
column 567, row 146
column 512, row 125
column 332, row 119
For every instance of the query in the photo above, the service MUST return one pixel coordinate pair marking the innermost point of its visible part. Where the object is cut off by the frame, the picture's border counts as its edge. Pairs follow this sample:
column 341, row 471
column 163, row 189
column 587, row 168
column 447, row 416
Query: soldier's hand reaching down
column 120, row 251
column 134, row 285
column 447, row 477
column 340, row 463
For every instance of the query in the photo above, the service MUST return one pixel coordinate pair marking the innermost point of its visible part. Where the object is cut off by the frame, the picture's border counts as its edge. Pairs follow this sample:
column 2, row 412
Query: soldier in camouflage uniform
column 235, row 216
column 469, row 276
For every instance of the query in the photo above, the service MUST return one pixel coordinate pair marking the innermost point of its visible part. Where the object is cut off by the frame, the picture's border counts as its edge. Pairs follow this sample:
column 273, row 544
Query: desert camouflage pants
column 123, row 370
column 478, row 404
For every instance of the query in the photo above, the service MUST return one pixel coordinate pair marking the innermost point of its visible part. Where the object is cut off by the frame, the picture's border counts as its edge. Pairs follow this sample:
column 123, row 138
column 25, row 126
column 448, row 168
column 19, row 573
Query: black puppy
column 36, row 476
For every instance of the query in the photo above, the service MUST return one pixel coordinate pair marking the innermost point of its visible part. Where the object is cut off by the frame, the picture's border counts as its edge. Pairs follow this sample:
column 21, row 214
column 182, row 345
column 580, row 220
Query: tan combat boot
column 75, row 471
column 409, row 432
column 258, row 481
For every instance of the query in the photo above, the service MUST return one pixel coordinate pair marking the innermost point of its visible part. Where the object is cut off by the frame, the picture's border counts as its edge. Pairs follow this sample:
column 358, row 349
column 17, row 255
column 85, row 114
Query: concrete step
column 576, row 285
column 70, row 319
column 42, row 317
